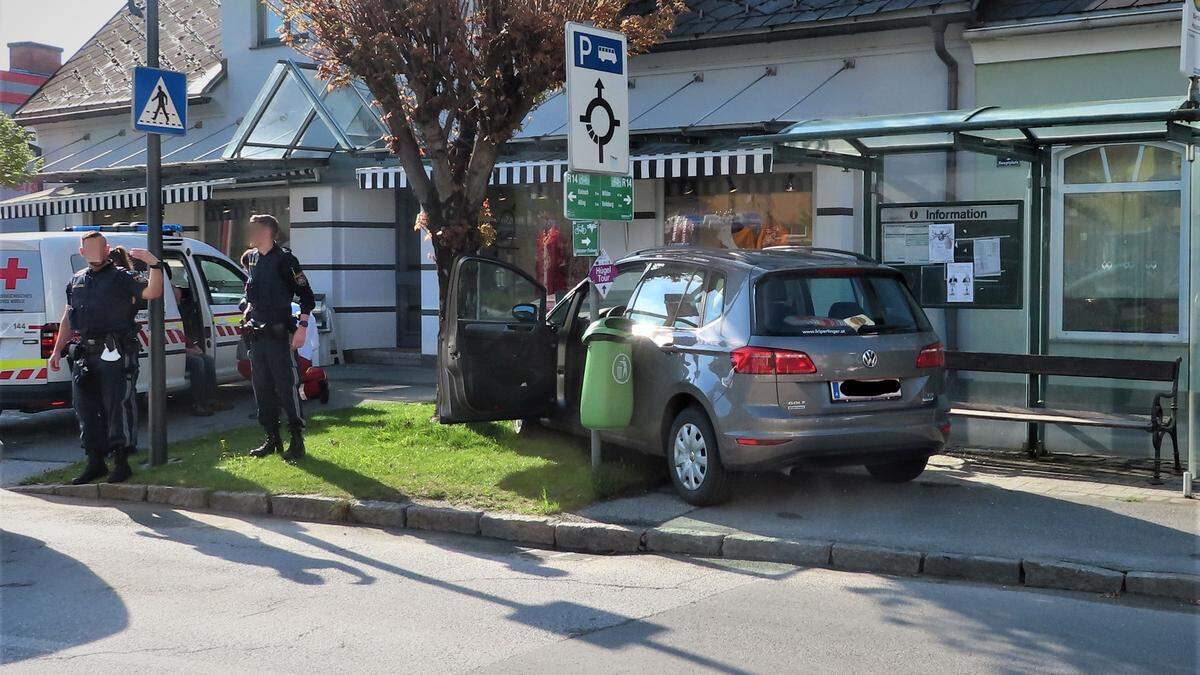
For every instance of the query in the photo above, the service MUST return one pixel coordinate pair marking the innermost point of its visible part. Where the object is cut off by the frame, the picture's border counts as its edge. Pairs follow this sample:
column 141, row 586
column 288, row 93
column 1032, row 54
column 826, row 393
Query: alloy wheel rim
column 691, row 456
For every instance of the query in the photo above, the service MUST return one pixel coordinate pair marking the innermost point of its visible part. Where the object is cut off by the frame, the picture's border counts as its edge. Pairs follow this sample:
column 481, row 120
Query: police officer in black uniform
column 273, row 335
column 104, row 357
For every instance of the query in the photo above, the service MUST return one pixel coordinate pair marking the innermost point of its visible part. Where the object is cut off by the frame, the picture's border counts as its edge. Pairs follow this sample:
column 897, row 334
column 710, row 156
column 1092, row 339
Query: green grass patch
column 396, row 451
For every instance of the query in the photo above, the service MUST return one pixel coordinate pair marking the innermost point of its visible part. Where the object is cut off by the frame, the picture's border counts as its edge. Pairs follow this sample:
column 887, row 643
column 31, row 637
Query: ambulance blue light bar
column 167, row 228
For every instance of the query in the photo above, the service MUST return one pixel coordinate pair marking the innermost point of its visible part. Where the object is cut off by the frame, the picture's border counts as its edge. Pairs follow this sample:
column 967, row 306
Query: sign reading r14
column 595, row 196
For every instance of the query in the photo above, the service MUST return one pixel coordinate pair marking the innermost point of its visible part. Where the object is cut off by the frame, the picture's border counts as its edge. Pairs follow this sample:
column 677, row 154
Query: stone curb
column 378, row 513
column 684, row 541
column 186, row 497
column 240, row 502
column 125, row 492
column 861, row 558
column 534, row 530
column 772, row 549
column 1006, row 571
column 308, row 507
column 1072, row 576
column 596, row 537
column 443, row 519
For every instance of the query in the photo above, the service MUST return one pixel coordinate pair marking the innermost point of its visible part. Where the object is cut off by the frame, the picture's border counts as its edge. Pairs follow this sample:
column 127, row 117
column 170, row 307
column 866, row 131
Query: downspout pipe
column 939, row 47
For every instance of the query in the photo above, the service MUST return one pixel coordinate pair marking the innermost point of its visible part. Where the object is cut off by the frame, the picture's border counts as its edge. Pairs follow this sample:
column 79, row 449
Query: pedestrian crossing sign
column 159, row 104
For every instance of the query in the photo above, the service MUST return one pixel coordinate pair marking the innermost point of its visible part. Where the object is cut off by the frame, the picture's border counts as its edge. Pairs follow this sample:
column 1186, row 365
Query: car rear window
column 835, row 303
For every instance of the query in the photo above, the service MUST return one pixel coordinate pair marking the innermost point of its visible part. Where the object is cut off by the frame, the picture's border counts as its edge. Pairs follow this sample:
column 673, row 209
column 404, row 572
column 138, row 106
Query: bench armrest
column 1159, row 416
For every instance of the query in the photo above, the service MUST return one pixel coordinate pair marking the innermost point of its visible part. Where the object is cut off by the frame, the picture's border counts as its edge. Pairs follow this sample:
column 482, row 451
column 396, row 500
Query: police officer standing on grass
column 272, row 335
column 104, row 358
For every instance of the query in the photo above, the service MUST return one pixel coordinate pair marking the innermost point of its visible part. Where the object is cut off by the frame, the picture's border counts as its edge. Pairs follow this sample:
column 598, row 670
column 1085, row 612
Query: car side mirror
column 525, row 312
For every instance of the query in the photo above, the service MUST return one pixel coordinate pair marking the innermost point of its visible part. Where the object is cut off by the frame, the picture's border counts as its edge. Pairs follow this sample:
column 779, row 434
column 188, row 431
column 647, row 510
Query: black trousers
column 105, row 397
column 276, row 381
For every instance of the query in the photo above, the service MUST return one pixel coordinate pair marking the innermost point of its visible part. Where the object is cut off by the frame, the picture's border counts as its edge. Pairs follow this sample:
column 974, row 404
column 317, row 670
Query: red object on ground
column 314, row 383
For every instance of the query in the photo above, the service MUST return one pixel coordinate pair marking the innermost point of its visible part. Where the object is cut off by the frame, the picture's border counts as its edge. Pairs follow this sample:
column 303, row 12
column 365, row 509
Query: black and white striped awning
column 77, row 198
column 695, row 164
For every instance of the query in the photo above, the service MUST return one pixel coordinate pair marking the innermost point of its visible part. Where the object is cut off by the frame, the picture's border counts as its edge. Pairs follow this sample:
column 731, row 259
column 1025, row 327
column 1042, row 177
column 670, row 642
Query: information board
column 957, row 254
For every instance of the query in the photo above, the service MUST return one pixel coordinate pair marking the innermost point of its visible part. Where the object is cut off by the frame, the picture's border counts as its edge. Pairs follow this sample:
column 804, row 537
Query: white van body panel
column 20, row 350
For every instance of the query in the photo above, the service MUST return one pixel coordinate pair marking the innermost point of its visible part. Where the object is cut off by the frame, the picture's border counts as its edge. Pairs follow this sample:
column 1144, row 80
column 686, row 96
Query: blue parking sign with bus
column 159, row 101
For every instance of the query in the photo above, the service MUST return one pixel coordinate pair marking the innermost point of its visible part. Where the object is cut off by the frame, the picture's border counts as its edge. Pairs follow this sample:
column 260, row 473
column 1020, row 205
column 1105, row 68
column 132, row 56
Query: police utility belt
column 259, row 330
column 95, row 345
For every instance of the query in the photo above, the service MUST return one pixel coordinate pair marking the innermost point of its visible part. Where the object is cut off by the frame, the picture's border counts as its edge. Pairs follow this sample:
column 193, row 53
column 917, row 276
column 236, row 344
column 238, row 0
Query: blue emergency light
column 167, row 228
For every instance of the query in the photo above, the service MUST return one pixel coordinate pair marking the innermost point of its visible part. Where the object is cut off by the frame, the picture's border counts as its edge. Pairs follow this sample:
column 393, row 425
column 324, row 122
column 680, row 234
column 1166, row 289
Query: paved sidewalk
column 33, row 444
column 973, row 504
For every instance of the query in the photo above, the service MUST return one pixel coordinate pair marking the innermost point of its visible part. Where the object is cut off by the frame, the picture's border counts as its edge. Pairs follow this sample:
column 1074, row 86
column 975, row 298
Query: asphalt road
column 135, row 587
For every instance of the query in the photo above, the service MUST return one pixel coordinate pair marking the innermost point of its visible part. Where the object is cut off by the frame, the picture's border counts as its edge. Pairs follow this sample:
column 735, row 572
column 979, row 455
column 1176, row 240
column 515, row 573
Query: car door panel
column 494, row 367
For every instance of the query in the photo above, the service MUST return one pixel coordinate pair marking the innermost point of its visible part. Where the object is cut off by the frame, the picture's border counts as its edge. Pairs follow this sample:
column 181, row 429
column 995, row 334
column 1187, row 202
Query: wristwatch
column 303, row 324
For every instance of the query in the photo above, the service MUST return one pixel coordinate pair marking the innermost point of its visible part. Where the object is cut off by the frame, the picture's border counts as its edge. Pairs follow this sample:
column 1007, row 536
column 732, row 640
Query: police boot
column 121, row 470
column 295, row 449
column 270, row 446
column 96, row 468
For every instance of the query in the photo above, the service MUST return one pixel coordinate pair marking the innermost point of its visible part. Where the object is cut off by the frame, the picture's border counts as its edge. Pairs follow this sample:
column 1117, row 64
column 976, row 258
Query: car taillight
column 765, row 361
column 46, row 339
column 931, row 356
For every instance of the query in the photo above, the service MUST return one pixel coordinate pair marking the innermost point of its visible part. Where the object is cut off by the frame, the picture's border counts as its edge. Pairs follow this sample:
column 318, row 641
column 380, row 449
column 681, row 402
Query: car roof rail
column 818, row 249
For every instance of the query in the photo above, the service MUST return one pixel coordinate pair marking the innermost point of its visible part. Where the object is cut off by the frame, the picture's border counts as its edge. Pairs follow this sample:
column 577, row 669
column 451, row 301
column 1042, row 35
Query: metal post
column 1193, row 397
column 158, row 379
column 594, row 310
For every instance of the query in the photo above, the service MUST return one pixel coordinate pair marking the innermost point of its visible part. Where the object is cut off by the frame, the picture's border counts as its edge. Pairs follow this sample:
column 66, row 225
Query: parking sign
column 597, row 100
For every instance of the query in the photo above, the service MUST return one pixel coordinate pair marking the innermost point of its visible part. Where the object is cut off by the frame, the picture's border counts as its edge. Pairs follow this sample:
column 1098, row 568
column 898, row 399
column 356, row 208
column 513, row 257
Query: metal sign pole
column 158, row 379
column 594, row 309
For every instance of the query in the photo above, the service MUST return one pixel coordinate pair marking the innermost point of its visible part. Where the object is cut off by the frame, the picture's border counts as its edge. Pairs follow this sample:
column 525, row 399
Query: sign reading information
column 593, row 196
column 1189, row 47
column 585, row 238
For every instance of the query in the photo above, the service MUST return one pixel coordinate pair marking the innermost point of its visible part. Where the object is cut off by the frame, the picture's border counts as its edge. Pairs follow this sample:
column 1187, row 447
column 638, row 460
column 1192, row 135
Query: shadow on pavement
column 62, row 602
column 1030, row 637
column 169, row 525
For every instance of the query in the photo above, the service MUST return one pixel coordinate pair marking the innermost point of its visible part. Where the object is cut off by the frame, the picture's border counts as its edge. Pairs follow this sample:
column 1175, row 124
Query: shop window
column 225, row 221
column 740, row 212
column 1120, row 244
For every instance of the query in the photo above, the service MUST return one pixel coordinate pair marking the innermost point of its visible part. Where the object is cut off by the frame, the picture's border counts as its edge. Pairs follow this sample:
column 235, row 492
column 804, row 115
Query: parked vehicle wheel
column 694, row 461
column 899, row 471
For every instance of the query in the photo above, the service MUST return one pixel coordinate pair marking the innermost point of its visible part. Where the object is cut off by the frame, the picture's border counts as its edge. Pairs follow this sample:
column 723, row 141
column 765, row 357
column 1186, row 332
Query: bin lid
column 613, row 328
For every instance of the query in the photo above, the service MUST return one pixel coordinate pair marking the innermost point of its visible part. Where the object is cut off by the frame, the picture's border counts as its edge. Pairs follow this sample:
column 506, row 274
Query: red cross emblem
column 12, row 273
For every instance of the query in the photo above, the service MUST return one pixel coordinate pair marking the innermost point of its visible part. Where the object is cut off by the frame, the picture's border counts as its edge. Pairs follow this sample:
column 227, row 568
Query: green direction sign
column 595, row 196
column 585, row 238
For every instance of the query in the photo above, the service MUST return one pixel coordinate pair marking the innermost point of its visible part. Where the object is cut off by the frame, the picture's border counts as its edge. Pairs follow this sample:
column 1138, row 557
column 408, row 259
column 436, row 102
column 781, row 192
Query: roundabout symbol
column 587, row 118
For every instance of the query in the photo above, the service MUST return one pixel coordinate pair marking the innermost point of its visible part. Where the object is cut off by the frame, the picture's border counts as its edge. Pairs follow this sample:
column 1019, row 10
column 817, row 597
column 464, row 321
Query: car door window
column 714, row 298
column 223, row 282
column 489, row 292
column 687, row 313
column 659, row 295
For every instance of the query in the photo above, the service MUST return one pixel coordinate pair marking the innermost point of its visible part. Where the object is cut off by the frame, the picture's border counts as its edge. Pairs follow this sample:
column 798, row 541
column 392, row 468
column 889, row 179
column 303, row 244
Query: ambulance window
column 223, row 282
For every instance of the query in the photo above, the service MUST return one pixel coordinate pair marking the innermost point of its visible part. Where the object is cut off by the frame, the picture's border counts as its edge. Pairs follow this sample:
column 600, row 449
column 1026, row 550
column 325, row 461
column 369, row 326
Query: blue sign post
column 159, row 101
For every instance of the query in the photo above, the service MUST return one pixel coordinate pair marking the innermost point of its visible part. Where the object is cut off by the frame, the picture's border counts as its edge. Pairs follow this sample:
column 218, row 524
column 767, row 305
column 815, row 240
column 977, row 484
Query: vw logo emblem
column 870, row 358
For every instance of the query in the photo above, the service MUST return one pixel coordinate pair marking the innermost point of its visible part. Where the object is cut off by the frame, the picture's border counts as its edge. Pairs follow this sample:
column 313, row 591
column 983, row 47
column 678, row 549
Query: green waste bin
column 606, row 401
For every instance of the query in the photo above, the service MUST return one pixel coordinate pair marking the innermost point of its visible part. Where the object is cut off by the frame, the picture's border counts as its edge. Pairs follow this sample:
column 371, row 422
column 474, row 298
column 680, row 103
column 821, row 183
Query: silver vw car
column 742, row 361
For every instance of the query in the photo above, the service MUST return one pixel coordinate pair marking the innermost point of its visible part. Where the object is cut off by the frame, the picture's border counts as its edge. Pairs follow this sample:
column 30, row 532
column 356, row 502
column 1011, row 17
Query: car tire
column 898, row 471
column 694, row 460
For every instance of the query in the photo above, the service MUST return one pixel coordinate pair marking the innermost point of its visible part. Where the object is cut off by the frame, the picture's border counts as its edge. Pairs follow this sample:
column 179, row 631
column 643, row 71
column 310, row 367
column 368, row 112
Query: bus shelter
column 1066, row 229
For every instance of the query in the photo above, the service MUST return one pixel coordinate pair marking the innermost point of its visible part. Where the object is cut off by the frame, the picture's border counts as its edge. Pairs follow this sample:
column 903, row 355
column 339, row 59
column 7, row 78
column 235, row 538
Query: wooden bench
column 1159, row 423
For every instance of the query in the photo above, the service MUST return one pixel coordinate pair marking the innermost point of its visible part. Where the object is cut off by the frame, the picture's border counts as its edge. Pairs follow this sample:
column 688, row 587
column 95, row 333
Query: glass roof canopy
column 1019, row 133
column 296, row 115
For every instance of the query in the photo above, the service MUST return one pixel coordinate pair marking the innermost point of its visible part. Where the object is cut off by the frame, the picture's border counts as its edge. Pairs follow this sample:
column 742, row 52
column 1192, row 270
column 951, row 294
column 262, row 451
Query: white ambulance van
column 34, row 270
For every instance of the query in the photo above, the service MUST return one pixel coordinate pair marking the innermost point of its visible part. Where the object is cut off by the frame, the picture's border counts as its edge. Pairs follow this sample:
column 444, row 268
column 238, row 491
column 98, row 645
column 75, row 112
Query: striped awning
column 691, row 164
column 84, row 197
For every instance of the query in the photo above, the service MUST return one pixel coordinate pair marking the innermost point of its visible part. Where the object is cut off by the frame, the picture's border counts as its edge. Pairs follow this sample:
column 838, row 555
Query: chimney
column 34, row 58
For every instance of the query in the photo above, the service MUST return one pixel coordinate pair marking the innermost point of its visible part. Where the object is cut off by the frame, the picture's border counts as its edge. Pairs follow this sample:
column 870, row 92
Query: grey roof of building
column 98, row 76
column 707, row 18
column 1005, row 11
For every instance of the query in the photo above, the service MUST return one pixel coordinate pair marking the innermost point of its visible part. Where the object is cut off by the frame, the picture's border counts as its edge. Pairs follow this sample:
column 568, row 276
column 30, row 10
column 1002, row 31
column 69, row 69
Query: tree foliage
column 454, row 79
column 18, row 163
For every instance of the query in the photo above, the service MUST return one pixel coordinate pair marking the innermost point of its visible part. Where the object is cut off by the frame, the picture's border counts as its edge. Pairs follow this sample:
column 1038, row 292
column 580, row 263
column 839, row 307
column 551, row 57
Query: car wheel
column 898, row 471
column 694, row 461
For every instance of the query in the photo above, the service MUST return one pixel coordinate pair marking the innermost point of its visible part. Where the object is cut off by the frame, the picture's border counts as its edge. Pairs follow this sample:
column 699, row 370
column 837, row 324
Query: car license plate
column 864, row 390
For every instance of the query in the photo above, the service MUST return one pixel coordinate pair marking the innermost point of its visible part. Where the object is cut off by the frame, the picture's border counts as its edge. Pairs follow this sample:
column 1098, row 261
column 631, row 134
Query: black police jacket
column 102, row 300
column 274, row 278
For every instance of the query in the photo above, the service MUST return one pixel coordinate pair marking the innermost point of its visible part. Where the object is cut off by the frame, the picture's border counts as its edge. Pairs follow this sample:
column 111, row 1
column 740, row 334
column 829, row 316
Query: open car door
column 496, row 360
